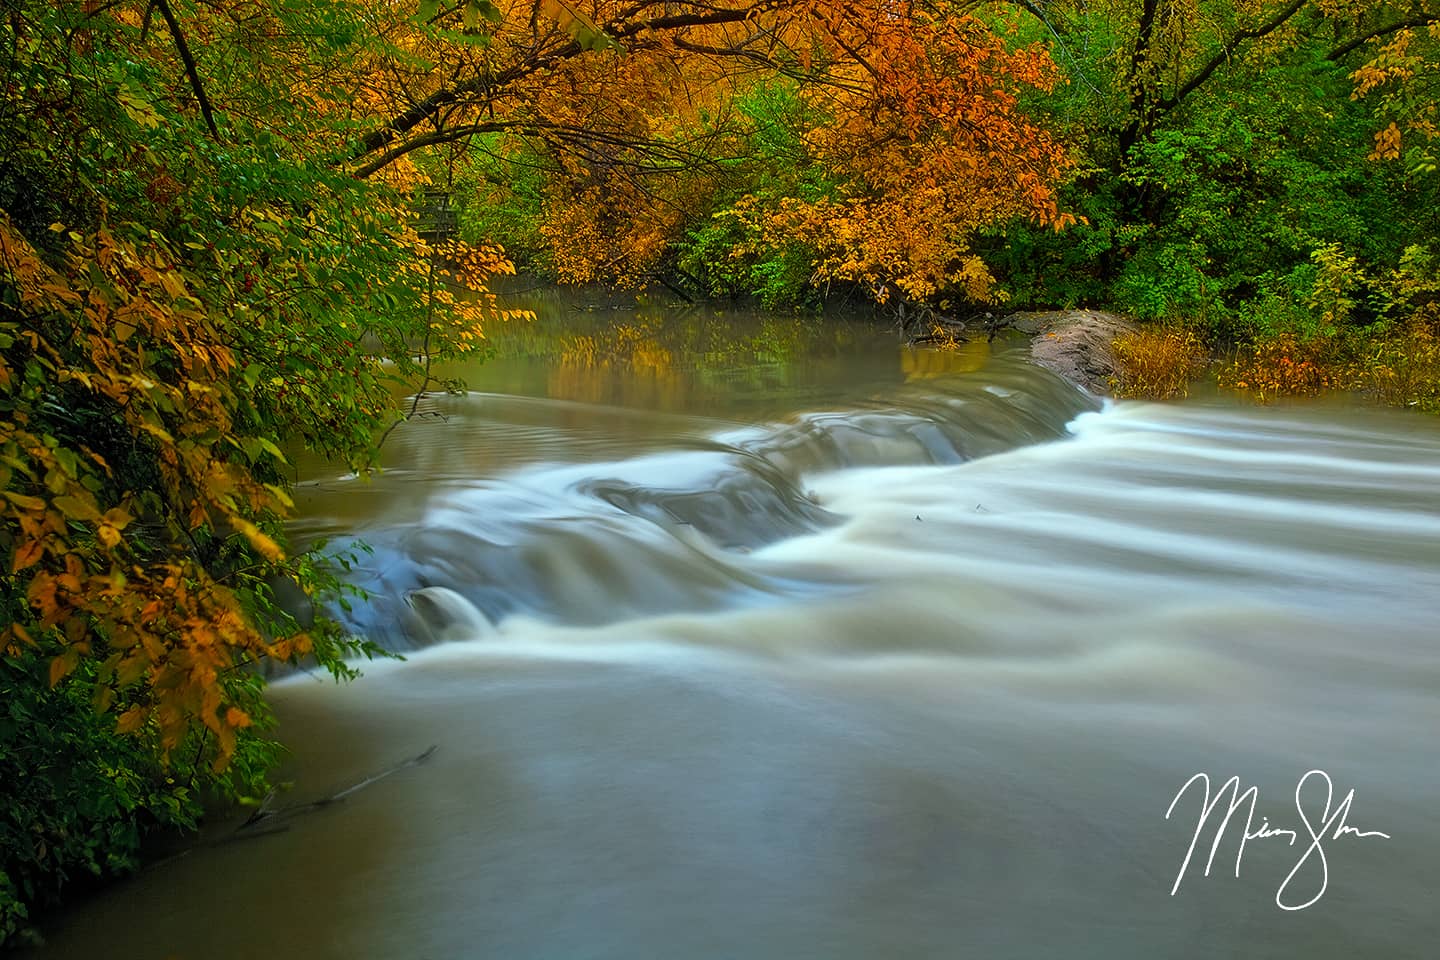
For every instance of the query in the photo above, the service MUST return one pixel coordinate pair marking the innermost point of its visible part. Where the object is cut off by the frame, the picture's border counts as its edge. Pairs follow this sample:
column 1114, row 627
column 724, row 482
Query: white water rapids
column 916, row 676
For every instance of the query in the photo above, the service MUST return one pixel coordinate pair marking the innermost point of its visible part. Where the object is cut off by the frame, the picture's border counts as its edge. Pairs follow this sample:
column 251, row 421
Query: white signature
column 1331, row 825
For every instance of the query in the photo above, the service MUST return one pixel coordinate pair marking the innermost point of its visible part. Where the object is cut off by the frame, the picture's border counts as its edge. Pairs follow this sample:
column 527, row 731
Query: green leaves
column 471, row 13
column 476, row 9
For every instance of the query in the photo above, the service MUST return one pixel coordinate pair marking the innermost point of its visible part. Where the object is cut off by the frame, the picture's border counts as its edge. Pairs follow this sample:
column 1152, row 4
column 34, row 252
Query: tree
column 190, row 284
column 1402, row 79
column 629, row 110
column 1222, row 149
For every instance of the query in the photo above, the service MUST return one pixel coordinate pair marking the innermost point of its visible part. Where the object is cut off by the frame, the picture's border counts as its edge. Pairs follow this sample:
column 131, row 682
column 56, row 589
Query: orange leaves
column 1286, row 366
column 61, row 666
column 926, row 138
column 116, row 330
column 910, row 108
column 1387, row 144
column 27, row 553
column 131, row 720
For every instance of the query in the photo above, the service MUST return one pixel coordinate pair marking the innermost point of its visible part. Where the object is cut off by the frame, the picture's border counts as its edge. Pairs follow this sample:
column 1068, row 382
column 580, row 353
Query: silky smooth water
column 781, row 640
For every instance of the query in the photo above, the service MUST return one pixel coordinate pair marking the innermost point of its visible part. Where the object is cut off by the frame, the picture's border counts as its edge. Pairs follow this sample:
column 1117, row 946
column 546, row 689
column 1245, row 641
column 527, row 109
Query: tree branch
column 413, row 117
column 1223, row 54
column 425, row 140
column 1421, row 20
column 189, row 62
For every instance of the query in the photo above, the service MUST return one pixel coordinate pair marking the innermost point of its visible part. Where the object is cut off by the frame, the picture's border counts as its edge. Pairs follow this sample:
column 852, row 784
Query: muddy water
column 769, row 638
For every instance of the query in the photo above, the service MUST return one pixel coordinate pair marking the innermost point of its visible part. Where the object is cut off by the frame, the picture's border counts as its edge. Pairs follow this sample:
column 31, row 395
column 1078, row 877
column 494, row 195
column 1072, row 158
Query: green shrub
column 78, row 801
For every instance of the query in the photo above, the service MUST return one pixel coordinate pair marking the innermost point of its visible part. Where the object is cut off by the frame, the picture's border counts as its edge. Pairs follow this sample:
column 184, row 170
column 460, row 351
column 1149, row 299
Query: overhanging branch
column 1422, row 20
column 1281, row 17
column 403, row 123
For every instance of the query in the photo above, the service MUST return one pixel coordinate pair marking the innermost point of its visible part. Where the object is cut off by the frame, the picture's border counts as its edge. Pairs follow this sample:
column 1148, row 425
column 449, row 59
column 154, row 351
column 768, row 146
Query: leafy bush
column 1403, row 369
column 1287, row 365
column 181, row 298
column 732, row 256
column 1164, row 281
column 77, row 799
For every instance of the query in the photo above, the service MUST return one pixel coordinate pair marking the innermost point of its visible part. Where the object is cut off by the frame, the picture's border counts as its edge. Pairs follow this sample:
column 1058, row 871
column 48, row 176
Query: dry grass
column 1404, row 370
column 1157, row 363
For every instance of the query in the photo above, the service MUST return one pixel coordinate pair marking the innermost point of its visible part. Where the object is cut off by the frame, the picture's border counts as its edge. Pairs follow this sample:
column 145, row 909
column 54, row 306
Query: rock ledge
column 1075, row 343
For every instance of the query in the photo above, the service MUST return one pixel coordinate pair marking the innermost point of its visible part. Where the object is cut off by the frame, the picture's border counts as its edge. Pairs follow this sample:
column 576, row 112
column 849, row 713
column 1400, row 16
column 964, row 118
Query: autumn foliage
column 629, row 114
column 188, row 289
column 210, row 258
column 1158, row 362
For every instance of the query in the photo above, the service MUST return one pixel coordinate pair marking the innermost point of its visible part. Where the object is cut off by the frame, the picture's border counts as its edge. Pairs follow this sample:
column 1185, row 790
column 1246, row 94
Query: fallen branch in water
column 264, row 822
column 271, row 817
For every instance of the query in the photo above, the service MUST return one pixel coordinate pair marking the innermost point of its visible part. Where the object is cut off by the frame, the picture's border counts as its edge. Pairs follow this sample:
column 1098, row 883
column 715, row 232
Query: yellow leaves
column 108, row 535
column 131, row 720
column 1387, row 144
column 23, row 501
column 81, row 507
column 137, row 108
column 580, row 27
column 1400, row 79
column 262, row 543
column 1157, row 362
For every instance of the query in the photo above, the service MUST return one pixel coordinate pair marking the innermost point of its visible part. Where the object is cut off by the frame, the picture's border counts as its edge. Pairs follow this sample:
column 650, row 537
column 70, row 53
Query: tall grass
column 1157, row 362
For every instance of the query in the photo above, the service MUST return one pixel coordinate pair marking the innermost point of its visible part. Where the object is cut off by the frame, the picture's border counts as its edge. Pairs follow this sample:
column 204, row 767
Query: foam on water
column 870, row 682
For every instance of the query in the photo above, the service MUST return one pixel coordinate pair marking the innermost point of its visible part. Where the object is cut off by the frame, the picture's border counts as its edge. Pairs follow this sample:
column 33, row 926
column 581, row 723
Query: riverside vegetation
column 208, row 256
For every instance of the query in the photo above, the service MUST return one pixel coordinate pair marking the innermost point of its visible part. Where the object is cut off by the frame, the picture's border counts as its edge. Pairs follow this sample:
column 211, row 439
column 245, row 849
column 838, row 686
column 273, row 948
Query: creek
column 747, row 637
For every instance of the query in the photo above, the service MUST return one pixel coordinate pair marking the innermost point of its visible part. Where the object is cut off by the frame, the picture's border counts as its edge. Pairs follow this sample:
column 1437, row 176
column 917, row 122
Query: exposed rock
column 1075, row 343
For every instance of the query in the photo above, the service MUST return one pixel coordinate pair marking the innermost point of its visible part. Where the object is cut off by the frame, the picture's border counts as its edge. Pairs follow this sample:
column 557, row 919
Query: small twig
column 425, row 385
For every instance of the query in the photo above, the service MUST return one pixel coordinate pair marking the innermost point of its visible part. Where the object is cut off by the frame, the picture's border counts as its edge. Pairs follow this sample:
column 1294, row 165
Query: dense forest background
column 209, row 253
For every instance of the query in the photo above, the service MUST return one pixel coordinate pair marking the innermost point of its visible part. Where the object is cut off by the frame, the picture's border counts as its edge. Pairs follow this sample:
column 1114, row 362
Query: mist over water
column 819, row 648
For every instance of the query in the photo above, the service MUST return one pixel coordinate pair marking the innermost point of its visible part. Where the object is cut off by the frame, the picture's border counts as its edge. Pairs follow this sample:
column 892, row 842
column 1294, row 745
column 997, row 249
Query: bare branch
column 190, row 72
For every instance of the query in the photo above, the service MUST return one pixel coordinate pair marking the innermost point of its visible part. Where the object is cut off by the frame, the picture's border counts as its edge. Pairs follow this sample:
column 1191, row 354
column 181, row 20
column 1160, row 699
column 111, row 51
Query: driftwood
column 265, row 821
column 946, row 327
column 271, row 818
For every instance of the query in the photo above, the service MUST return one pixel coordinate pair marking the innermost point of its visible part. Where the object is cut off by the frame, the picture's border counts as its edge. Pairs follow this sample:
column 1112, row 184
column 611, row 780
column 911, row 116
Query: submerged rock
column 443, row 616
column 1075, row 343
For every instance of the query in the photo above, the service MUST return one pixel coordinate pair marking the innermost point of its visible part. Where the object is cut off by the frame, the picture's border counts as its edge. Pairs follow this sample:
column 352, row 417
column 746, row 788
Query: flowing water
column 747, row 638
